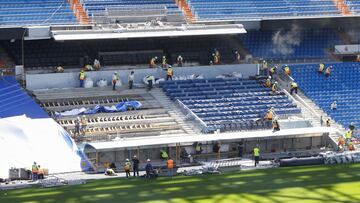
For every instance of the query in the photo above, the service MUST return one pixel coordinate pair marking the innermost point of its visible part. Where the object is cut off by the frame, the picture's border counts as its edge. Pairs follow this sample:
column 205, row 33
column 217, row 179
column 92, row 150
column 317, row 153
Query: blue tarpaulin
column 120, row 107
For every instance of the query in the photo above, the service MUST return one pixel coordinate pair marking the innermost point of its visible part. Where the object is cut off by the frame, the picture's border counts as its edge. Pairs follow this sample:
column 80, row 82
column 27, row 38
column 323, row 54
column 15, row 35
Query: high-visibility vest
column 256, row 151
column 341, row 141
column 270, row 115
column 34, row 168
column 127, row 166
column 272, row 70
column 170, row 163
column 327, row 71
column 41, row 171
column 216, row 59
column 164, row 155
column 321, row 67
column 198, row 148
column 238, row 56
column 265, row 65
column 268, row 83
column 169, row 71
column 164, row 61
column 348, row 135
column 294, row 84
column 82, row 76
column 152, row 62
column 150, row 77
column 287, row 70
column 273, row 88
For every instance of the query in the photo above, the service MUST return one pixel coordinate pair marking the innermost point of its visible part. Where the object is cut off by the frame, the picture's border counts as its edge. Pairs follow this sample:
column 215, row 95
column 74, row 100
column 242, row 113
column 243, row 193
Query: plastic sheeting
column 24, row 140
column 120, row 107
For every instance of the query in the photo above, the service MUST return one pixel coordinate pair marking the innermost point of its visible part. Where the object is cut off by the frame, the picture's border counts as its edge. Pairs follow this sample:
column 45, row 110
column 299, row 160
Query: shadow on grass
column 302, row 184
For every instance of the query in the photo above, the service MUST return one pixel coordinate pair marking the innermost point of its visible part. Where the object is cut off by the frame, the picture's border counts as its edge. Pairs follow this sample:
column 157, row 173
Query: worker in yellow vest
column 169, row 73
column 256, row 154
column 327, row 71
column 268, row 82
column 215, row 59
column 348, row 136
column 274, row 87
column 237, row 57
column 150, row 80
column 34, row 172
column 270, row 114
column 293, row 87
column 272, row 71
column 264, row 68
column 164, row 62
column 82, row 78
column 321, row 68
column 287, row 70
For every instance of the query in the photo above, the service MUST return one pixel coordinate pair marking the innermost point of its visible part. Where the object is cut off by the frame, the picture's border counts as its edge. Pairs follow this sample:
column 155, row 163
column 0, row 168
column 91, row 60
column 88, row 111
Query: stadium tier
column 36, row 12
column 290, row 44
column 228, row 104
column 107, row 11
column 342, row 86
column 255, row 9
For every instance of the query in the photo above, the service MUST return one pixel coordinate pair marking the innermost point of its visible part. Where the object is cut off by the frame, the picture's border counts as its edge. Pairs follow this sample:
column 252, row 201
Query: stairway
column 79, row 12
column 182, row 4
column 173, row 111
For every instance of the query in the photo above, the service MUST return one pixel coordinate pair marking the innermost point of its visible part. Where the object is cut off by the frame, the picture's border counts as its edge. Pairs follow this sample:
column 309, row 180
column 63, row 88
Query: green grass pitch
column 310, row 184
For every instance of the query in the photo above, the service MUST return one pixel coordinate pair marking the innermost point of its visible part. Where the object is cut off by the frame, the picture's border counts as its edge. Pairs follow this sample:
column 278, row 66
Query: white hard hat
column 127, row 159
column 148, row 160
column 83, row 116
column 115, row 72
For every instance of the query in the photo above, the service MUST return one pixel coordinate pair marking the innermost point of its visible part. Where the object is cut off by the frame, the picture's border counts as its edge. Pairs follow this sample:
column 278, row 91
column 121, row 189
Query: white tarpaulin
column 24, row 140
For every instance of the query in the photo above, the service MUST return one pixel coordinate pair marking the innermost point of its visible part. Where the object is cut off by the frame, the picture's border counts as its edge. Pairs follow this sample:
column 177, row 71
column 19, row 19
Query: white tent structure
column 24, row 140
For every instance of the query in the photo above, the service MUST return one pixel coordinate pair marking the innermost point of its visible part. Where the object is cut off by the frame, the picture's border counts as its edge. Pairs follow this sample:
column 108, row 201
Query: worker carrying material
column 293, row 87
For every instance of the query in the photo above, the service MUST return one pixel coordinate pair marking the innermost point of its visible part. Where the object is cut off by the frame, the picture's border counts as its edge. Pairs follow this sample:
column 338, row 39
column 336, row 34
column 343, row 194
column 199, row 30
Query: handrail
column 192, row 113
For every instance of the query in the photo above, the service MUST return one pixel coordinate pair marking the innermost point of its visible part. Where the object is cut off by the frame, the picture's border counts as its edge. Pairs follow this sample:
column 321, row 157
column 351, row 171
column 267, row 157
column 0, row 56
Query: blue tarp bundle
column 120, row 107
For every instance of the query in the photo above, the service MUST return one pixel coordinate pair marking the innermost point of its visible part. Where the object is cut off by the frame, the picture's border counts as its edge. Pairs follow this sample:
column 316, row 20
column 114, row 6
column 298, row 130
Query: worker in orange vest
column 327, row 71
column 34, row 172
column 170, row 167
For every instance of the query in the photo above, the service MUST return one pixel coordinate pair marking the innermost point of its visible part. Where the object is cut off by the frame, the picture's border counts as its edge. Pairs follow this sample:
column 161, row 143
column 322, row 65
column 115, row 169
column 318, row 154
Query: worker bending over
column 293, row 87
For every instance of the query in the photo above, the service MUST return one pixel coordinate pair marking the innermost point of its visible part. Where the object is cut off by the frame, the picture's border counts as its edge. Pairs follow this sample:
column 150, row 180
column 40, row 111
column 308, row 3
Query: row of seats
column 243, row 9
column 228, row 104
column 309, row 44
column 342, row 86
column 35, row 12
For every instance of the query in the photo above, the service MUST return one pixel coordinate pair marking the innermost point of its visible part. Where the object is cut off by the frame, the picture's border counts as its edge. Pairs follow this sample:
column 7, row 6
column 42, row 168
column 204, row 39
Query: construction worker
column 97, row 64
column 169, row 73
column 348, row 136
column 293, row 87
column 256, row 154
column 150, row 79
column 328, row 122
column 82, row 78
column 83, row 124
column 287, row 70
column 164, row 155
column 34, row 172
column 152, row 63
column 77, row 126
column 40, row 173
column 131, row 78
column 341, row 143
column 198, row 149
column 114, row 79
column 268, row 82
column 215, row 59
column 321, row 68
column 274, row 87
column 272, row 71
column 327, row 71
column 136, row 163
column 164, row 62
column 352, row 127
column 170, row 167
column 127, row 167
column 264, row 68
column 351, row 146
column 270, row 114
column 180, row 61
column 275, row 125
column 237, row 57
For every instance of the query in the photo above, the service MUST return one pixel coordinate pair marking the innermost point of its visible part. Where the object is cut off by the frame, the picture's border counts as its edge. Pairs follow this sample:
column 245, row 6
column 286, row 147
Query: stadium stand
column 14, row 101
column 111, row 11
column 36, row 12
column 228, row 104
column 259, row 9
column 341, row 86
column 353, row 5
column 287, row 44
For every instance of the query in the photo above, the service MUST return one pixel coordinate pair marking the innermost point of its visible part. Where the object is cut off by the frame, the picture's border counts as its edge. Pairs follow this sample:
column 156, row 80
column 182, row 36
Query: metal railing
column 190, row 115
